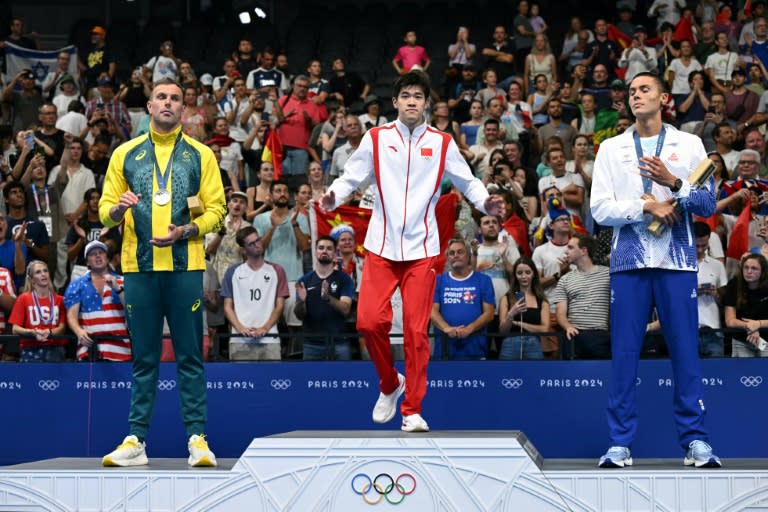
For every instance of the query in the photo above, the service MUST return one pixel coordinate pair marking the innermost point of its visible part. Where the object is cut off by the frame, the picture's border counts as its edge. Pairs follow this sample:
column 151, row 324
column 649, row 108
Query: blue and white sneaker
column 616, row 457
column 700, row 455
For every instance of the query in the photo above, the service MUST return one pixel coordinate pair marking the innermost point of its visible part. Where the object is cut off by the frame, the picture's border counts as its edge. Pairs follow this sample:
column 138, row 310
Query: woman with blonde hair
column 38, row 316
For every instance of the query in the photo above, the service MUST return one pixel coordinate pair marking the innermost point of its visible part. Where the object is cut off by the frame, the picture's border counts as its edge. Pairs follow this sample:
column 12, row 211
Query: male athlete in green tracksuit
column 148, row 183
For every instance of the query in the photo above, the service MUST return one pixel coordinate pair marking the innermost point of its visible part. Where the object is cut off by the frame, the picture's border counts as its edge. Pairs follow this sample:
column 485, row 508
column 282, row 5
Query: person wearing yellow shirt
column 166, row 187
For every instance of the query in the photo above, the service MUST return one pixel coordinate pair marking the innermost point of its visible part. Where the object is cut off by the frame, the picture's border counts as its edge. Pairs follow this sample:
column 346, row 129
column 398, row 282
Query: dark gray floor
column 82, row 464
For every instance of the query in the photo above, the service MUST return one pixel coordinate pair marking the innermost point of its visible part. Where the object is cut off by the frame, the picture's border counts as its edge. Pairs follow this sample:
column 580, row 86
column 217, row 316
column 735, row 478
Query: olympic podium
column 448, row 471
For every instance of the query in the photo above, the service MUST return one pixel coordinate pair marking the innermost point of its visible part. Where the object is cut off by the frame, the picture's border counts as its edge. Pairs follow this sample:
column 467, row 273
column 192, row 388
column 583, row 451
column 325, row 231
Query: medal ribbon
column 162, row 177
column 647, row 183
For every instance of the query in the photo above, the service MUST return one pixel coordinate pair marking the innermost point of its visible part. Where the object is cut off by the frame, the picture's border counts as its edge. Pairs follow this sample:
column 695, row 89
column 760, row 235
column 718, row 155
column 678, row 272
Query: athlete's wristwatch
column 677, row 186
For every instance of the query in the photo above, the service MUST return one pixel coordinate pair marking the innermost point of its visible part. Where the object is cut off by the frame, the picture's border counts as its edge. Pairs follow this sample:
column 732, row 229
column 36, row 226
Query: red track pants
column 416, row 279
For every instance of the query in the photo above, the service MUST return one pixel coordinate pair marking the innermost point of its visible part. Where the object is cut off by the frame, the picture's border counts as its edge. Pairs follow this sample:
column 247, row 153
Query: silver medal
column 162, row 197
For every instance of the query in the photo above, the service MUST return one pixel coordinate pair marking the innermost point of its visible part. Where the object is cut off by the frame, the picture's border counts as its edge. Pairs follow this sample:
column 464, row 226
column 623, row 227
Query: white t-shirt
column 722, row 64
column 254, row 294
column 680, row 84
column 497, row 273
column 547, row 258
column 162, row 67
column 230, row 155
column 711, row 272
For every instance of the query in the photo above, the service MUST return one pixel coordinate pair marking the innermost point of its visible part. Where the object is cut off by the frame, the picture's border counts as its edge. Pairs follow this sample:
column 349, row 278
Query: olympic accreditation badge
column 162, row 197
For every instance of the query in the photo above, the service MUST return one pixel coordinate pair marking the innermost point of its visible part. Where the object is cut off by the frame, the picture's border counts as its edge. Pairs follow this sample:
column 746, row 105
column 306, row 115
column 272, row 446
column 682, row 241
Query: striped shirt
column 588, row 297
column 100, row 315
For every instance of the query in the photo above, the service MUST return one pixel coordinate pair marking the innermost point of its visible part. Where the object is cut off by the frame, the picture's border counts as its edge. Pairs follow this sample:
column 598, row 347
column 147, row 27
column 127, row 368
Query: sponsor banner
column 81, row 409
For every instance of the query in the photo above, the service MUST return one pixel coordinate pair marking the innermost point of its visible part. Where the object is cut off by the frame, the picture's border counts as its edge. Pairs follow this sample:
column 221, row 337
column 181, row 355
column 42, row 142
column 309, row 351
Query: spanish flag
column 273, row 152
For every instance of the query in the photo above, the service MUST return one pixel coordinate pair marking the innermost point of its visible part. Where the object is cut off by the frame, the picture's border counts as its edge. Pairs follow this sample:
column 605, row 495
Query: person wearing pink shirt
column 410, row 55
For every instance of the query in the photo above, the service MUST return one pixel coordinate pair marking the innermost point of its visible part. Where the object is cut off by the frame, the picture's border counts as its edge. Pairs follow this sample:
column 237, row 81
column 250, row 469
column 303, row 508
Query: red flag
column 445, row 214
column 738, row 244
column 684, row 30
column 515, row 226
column 358, row 219
column 273, row 152
column 748, row 8
column 617, row 36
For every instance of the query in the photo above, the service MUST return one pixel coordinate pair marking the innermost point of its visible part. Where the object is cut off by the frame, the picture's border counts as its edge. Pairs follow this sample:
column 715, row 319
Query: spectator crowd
column 527, row 118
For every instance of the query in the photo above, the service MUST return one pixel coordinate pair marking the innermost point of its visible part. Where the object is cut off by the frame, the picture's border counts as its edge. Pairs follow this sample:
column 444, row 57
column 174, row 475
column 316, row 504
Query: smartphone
column 30, row 140
column 711, row 109
column 99, row 104
column 519, row 296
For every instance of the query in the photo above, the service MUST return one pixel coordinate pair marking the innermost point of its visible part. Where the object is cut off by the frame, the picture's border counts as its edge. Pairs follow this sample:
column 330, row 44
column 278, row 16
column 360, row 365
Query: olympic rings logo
column 280, row 384
column 362, row 485
column 166, row 385
column 512, row 383
column 49, row 385
column 751, row 381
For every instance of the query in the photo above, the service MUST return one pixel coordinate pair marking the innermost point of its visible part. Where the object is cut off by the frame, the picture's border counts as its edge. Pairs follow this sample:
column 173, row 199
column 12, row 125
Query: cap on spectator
column 371, row 98
column 98, row 30
column 341, row 228
column 206, row 79
column 639, row 28
column 28, row 74
column 67, row 78
column 95, row 244
column 240, row 194
column 618, row 84
column 556, row 209
column 738, row 71
column 105, row 81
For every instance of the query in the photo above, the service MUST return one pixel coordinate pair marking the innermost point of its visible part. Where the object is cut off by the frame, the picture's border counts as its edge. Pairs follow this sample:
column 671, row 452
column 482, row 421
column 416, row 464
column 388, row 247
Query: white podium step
column 449, row 471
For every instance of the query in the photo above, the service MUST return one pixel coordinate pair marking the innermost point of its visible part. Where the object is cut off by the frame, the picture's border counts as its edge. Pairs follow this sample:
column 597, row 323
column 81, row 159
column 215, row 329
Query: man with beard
column 495, row 258
column 166, row 187
column 323, row 301
column 254, row 294
column 557, row 128
column 284, row 236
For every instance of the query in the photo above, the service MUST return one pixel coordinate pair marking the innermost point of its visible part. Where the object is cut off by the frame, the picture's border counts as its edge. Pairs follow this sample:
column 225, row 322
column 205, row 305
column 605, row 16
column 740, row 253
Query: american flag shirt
column 100, row 315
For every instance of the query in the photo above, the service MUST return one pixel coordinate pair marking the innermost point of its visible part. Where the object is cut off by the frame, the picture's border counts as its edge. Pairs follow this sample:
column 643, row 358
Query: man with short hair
column 50, row 135
column 600, row 87
column 153, row 182
column 463, row 306
column 296, row 116
column 266, row 78
column 643, row 275
column 481, row 152
column 705, row 129
column 254, row 295
column 319, row 89
column 725, row 137
column 323, row 301
column 25, row 102
column 53, row 80
column 747, row 169
column 555, row 127
column 712, row 280
column 95, row 310
column 740, row 102
column 601, row 50
column 284, row 237
column 223, row 83
column 582, row 297
column 755, row 141
column 354, row 134
column 406, row 260
column 165, row 65
column 345, row 86
column 498, row 55
column 494, row 257
column 570, row 183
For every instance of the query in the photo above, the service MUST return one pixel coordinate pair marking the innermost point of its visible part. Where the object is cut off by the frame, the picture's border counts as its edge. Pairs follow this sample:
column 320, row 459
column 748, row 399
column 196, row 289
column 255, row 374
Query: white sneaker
column 414, row 423
column 130, row 453
column 386, row 405
column 199, row 453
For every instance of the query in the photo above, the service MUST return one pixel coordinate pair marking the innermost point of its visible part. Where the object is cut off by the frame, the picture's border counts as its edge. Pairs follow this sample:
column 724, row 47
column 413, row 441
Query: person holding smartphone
column 523, row 314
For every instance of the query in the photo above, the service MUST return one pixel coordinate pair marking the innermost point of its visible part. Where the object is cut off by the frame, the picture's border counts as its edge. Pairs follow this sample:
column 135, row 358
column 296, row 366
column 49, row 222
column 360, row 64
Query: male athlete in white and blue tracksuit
column 636, row 177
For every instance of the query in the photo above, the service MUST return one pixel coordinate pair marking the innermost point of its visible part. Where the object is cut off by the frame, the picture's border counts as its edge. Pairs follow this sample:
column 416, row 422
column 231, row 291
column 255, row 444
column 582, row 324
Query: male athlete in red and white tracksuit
column 408, row 160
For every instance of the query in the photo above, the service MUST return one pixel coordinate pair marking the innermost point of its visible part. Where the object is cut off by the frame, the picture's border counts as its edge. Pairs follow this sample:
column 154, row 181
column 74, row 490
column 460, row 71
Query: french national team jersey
column 253, row 294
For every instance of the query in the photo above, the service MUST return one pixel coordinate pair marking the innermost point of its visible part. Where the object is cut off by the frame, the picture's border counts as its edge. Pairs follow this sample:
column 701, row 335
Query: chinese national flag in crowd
column 321, row 223
column 738, row 244
column 273, row 152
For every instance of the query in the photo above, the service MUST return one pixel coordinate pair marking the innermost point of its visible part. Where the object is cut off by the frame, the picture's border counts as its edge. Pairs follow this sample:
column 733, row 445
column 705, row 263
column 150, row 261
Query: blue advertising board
column 81, row 409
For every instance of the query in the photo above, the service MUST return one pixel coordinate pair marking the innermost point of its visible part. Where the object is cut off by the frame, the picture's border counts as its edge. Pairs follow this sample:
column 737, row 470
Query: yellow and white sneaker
column 130, row 452
column 199, row 453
